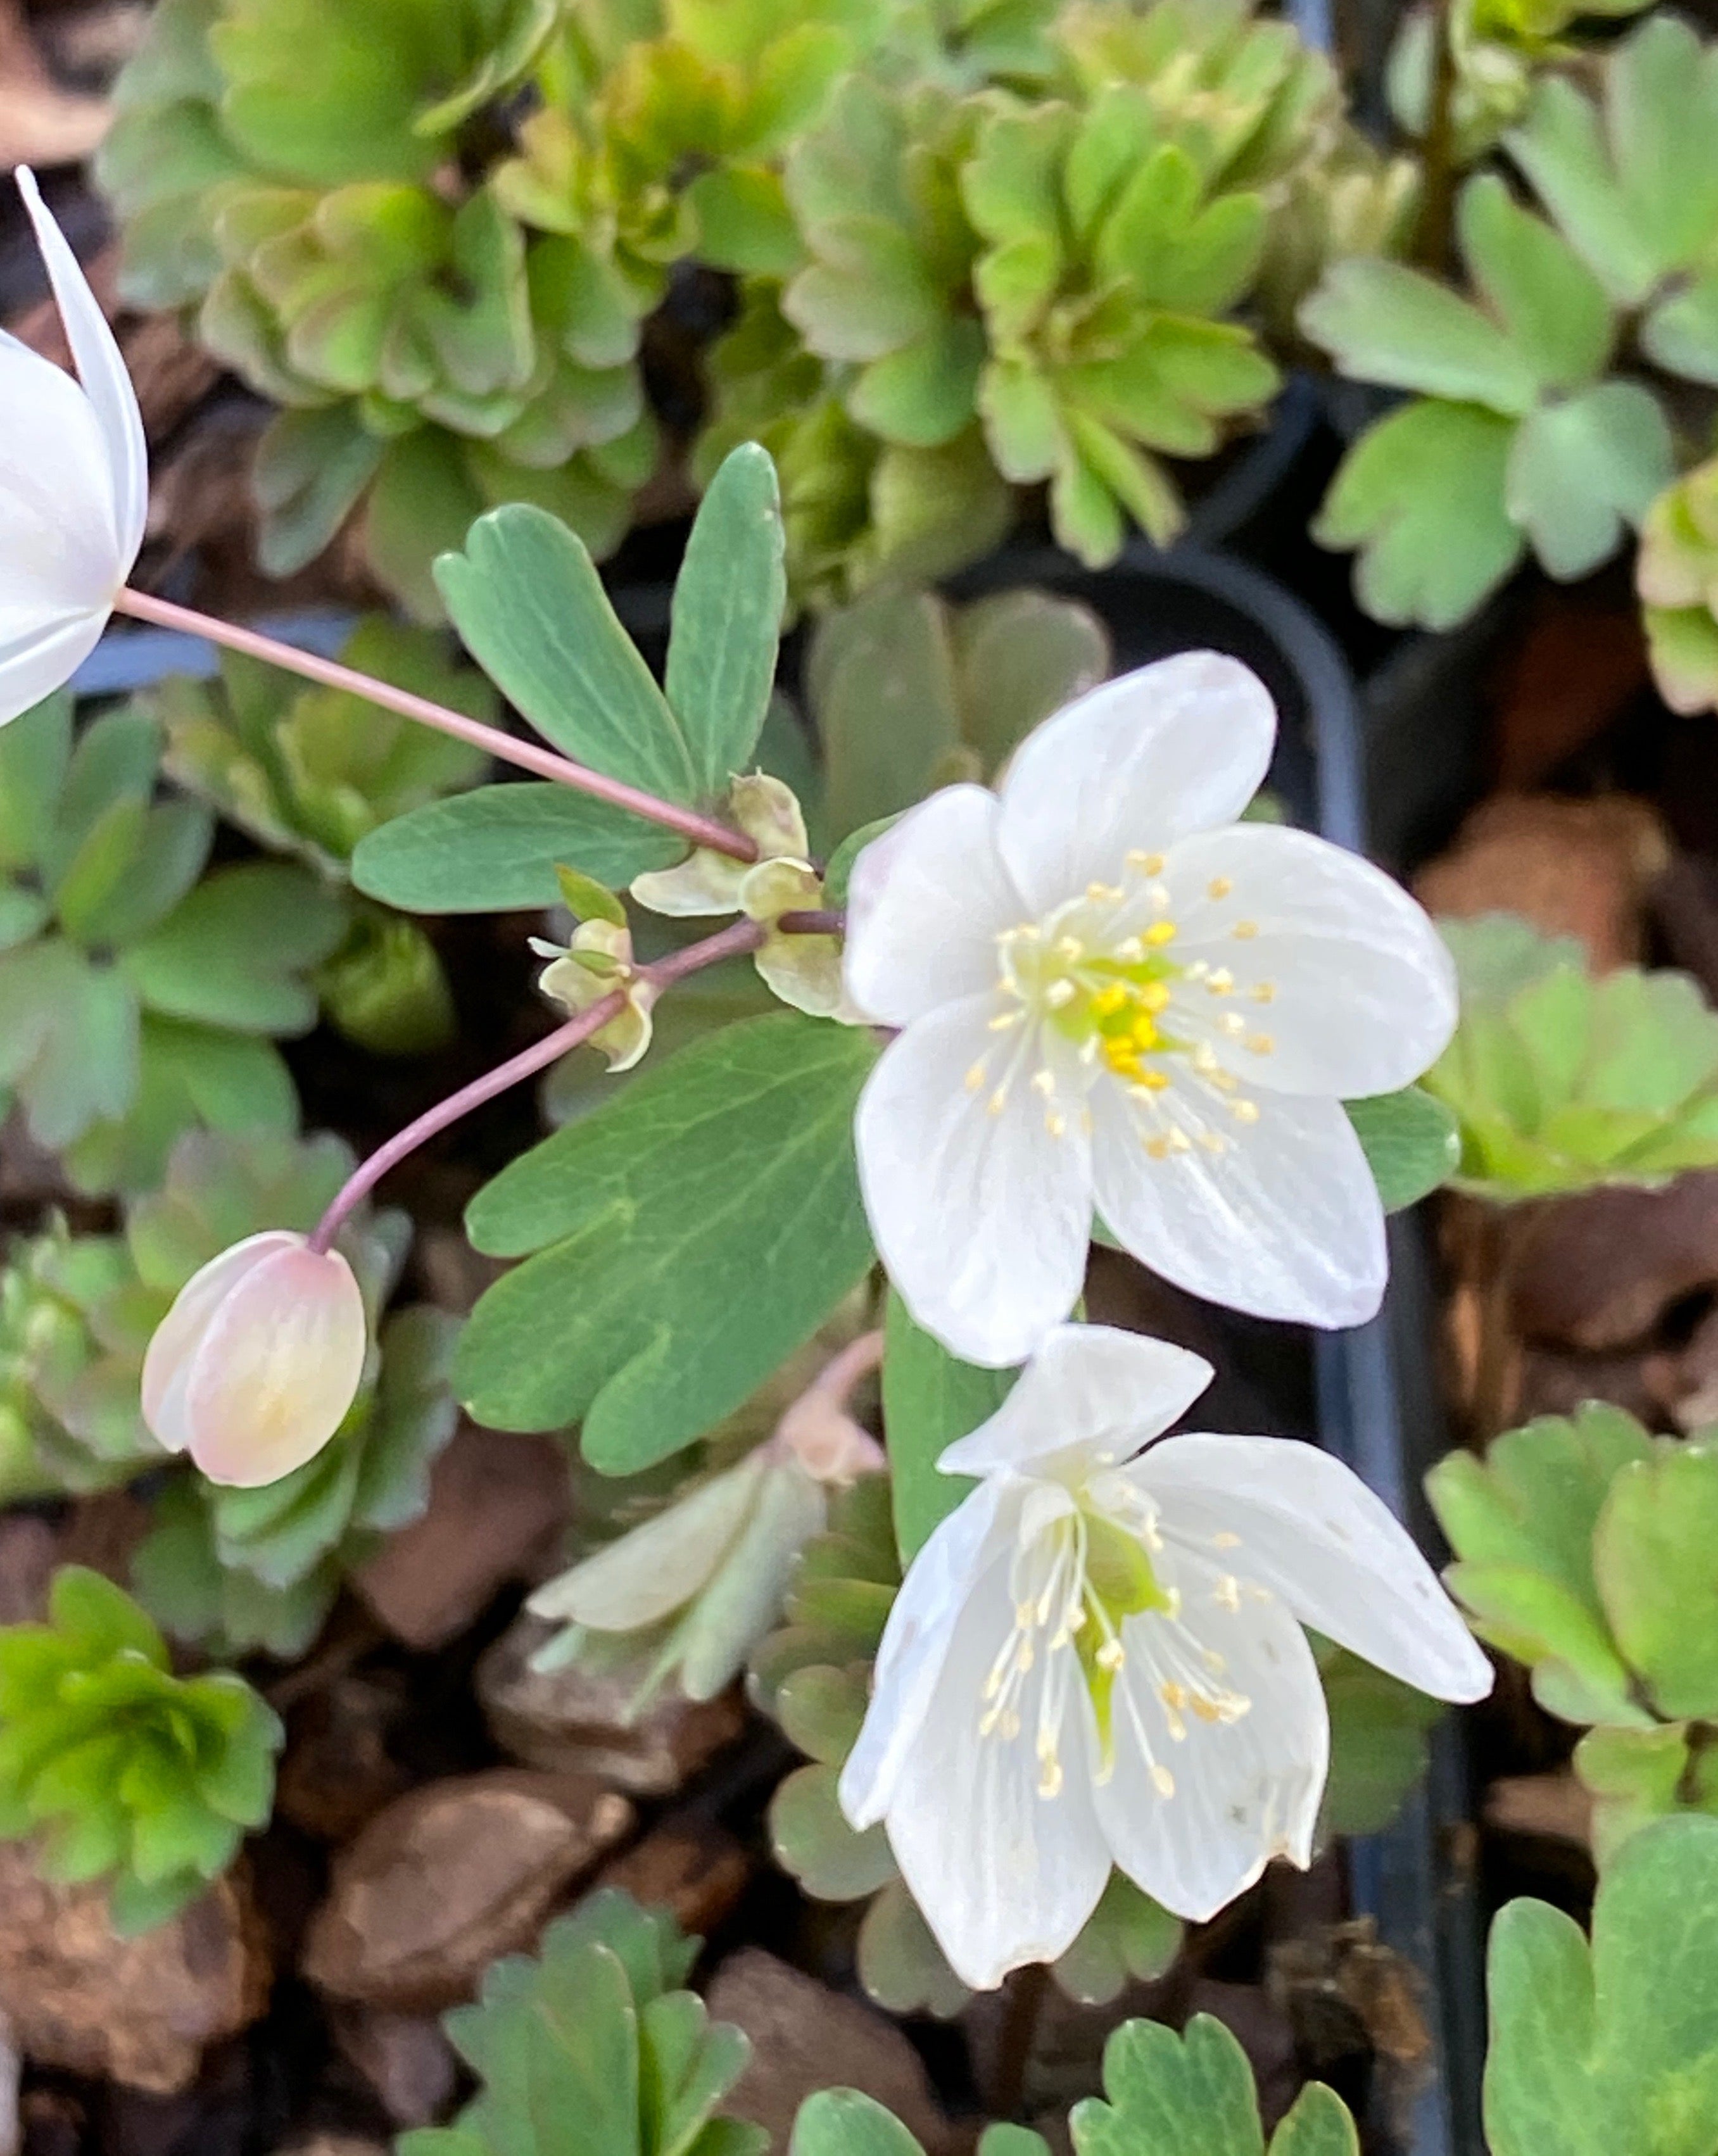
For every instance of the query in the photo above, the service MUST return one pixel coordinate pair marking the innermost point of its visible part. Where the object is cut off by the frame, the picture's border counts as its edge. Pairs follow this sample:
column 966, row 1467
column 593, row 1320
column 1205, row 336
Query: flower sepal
column 593, row 964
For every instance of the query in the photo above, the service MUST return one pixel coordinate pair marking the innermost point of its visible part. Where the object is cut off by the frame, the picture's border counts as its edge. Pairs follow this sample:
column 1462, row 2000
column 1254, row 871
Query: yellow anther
column 1130, row 950
column 1161, row 933
column 1004, row 1020
column 975, row 1077
column 1226, row 1541
column 997, row 1102
column 1044, row 1082
column 1152, row 1081
column 1263, row 991
column 1232, row 1024
column 1178, row 1141
column 1244, row 931
column 1208, row 1710
column 1260, row 1044
column 1102, row 894
column 1110, row 1656
column 1225, row 1082
column 1158, row 1148
column 1205, row 1059
column 1173, row 1696
column 1213, row 1143
column 1109, row 1000
column 1070, row 948
column 1244, row 1111
column 1154, row 995
column 1057, row 1125
column 1146, row 864
column 1220, row 983
column 1144, row 1031
column 1227, row 1593
column 1050, row 1778
column 1060, row 994
column 1163, row 1781
column 1218, row 887
column 1010, row 1726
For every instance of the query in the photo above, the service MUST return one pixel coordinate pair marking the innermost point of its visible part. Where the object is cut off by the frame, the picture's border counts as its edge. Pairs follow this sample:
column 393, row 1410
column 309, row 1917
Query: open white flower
column 74, row 484
column 1097, row 1659
column 1114, row 993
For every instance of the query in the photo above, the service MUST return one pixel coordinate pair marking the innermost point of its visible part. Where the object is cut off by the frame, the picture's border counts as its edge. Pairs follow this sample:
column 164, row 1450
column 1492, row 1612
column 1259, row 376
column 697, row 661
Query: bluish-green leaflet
column 929, row 1398
column 688, row 1236
column 496, row 850
column 728, row 606
column 526, row 598
column 1410, row 1142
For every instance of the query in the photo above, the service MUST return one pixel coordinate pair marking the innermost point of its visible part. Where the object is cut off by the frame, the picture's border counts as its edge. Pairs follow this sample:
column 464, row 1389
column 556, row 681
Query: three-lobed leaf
column 1412, row 1144
column 680, row 1241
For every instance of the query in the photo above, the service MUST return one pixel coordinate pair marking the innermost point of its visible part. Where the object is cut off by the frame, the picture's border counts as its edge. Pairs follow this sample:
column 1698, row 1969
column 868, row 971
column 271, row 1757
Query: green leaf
column 586, row 899
column 840, row 2122
column 1581, row 471
column 814, row 1843
column 1522, row 1525
column 1019, row 657
column 527, row 600
column 1378, row 1742
column 879, row 680
column 1652, row 1558
column 1172, row 2095
column 1127, row 1939
column 495, row 850
column 1383, row 322
column 727, row 609
column 929, row 1398
column 1411, row 1141
column 1552, row 307
column 235, row 951
column 34, row 751
column 1615, row 2047
column 732, row 1160
column 1421, row 494
column 1635, row 1776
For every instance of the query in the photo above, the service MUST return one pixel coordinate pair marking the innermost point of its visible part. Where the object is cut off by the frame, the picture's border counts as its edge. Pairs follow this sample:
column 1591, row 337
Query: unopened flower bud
column 257, row 1364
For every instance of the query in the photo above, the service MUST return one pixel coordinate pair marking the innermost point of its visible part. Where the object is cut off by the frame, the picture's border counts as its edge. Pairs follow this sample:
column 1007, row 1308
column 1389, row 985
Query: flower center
column 1076, row 1579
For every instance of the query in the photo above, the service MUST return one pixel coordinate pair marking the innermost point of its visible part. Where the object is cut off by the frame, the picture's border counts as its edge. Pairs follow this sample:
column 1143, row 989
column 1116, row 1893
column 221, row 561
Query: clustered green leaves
column 595, row 2045
column 976, row 248
column 1560, row 1080
column 1583, row 1548
column 121, row 1770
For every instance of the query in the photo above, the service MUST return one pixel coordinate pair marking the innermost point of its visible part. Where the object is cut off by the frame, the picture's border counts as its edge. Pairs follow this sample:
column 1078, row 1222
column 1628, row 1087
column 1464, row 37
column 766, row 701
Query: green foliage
column 124, row 1771
column 979, row 244
column 1615, row 2046
column 1170, row 2096
column 592, row 2044
column 69, row 1416
column 310, row 771
column 137, row 1000
column 1560, row 1081
column 1412, row 1144
column 1677, row 578
column 930, row 1398
column 1583, row 1548
column 909, row 691
column 1521, row 439
column 732, row 1159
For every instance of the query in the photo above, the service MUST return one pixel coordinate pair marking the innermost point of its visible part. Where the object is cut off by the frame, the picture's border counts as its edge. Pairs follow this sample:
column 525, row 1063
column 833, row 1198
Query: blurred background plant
column 936, row 254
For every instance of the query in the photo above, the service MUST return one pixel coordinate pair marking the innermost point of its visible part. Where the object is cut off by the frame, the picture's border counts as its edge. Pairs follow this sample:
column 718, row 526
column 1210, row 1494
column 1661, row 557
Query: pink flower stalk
column 257, row 1364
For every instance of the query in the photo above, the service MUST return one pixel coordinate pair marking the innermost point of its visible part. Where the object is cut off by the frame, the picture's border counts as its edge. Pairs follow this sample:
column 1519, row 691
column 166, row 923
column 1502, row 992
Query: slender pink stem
column 813, row 920
column 702, row 830
column 741, row 936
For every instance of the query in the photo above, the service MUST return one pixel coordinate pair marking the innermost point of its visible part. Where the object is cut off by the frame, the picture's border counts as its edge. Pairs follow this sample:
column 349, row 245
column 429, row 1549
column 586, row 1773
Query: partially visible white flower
column 74, row 484
column 258, row 1361
column 713, row 1567
column 1097, row 1659
column 1113, row 993
column 596, row 963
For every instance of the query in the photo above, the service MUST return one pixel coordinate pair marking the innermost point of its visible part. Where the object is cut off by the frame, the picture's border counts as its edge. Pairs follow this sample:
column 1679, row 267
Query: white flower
column 1112, row 992
column 74, row 485
column 1098, row 1658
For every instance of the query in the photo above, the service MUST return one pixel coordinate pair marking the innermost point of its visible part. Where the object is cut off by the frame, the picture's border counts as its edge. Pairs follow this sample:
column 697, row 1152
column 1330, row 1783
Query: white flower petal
column 916, row 1639
column 101, row 369
column 981, row 1218
column 1284, row 1222
column 925, row 904
column 1090, row 1388
column 173, row 1348
column 1362, row 991
column 651, row 1570
column 1003, row 1876
column 1310, row 1529
column 57, row 546
column 37, row 666
column 1243, row 1790
column 1137, row 763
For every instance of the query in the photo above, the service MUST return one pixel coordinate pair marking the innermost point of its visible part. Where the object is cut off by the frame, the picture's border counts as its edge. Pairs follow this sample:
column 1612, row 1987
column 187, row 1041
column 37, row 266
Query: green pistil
column 1120, row 1582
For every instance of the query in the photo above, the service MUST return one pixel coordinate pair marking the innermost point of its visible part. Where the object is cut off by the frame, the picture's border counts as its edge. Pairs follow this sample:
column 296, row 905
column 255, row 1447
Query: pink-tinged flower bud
column 253, row 1369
